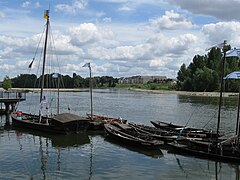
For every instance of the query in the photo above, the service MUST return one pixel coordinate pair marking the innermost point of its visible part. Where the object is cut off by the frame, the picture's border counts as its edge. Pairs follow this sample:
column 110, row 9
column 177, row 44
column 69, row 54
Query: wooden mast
column 91, row 86
column 221, row 88
column 46, row 16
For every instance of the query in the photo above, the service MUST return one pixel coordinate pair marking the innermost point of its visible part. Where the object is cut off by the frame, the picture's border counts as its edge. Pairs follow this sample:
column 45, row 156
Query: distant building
column 142, row 79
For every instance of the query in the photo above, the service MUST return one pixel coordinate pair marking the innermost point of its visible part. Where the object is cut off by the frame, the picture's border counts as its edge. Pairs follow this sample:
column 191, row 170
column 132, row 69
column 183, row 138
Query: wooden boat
column 187, row 131
column 97, row 121
column 106, row 119
column 127, row 136
column 166, row 136
column 61, row 123
column 219, row 152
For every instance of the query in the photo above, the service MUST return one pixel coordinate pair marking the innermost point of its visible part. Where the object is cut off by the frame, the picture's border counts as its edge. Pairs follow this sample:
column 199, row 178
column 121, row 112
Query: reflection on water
column 31, row 155
column 151, row 153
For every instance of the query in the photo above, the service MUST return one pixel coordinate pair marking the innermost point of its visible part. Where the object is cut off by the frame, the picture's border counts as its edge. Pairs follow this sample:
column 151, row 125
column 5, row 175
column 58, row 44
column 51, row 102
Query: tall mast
column 91, row 86
column 46, row 16
column 221, row 88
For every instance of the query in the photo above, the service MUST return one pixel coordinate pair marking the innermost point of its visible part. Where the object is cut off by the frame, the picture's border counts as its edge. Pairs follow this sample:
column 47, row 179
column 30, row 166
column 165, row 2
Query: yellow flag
column 46, row 14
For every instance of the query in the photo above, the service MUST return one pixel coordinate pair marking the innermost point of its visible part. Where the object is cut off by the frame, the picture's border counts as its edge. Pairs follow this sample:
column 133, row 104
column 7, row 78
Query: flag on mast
column 46, row 14
column 55, row 75
column 86, row 65
column 30, row 65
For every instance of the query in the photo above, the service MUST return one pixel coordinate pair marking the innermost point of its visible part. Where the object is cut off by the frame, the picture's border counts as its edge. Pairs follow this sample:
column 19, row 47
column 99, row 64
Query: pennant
column 46, row 14
column 43, row 100
column 30, row 65
column 86, row 65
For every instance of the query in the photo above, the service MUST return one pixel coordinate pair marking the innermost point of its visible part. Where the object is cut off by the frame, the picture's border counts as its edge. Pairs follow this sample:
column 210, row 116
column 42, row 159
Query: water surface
column 33, row 155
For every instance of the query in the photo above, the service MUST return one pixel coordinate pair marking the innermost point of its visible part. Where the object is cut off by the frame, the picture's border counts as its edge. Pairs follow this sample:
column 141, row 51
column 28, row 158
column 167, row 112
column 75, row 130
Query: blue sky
column 119, row 37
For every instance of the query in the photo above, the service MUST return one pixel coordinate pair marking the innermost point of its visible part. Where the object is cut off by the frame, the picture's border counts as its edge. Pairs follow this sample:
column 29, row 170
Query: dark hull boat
column 125, row 136
column 61, row 124
column 166, row 136
column 218, row 152
column 187, row 131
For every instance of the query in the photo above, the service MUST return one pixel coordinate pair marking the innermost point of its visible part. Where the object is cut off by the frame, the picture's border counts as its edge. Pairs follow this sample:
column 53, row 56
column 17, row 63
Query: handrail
column 12, row 95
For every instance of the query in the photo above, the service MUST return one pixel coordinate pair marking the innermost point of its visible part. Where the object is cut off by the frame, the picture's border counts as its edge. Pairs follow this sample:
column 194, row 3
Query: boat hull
column 32, row 122
column 216, row 155
column 186, row 131
column 128, row 139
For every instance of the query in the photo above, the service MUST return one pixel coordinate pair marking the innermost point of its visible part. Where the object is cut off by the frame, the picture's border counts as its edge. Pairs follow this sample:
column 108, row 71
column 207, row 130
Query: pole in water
column 90, row 86
column 91, row 91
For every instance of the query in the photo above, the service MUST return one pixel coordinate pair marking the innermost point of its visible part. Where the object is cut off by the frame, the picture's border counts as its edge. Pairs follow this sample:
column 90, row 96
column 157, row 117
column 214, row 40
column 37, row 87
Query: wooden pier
column 9, row 100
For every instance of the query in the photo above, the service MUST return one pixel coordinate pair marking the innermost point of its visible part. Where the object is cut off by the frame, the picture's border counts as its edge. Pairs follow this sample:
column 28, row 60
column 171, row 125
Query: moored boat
column 48, row 121
column 106, row 119
column 187, row 131
column 218, row 152
column 125, row 135
column 97, row 121
column 166, row 136
column 64, row 123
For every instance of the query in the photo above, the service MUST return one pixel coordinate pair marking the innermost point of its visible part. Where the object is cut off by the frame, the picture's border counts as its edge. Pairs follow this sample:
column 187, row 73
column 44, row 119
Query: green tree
column 204, row 72
column 25, row 80
column 205, row 79
column 7, row 83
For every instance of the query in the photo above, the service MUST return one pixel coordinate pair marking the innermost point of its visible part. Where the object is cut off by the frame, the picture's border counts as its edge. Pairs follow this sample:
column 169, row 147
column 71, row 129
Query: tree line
column 76, row 81
column 204, row 73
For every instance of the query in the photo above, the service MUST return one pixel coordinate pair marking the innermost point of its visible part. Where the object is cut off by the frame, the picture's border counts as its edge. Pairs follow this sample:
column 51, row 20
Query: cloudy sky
column 119, row 37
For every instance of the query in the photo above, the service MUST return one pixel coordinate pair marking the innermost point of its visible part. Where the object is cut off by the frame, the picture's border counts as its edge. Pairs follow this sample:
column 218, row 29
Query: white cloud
column 171, row 21
column 125, row 8
column 88, row 33
column 7, row 67
column 162, row 44
column 73, row 8
column 160, row 53
column 120, row 53
column 26, row 47
column 26, row 4
column 220, row 31
column 84, row 34
column 64, row 46
column 6, row 52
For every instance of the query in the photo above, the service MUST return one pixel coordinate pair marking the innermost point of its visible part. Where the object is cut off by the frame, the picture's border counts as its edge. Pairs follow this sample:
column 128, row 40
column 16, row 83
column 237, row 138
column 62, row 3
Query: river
column 31, row 155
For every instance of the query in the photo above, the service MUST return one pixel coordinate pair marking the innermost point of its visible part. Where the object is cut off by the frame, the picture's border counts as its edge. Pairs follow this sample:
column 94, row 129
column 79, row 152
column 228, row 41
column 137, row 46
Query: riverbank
column 185, row 93
column 54, row 89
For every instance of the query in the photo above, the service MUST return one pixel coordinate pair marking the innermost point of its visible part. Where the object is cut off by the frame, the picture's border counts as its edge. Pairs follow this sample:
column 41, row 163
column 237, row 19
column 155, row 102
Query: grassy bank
column 151, row 86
